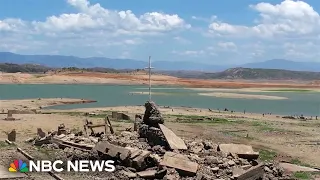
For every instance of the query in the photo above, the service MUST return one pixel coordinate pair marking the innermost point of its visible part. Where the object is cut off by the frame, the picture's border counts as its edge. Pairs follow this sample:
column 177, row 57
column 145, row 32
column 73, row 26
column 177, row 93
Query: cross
column 149, row 68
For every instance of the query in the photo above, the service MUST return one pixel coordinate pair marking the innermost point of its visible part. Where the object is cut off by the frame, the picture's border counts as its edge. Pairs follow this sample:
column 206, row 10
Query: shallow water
column 307, row 103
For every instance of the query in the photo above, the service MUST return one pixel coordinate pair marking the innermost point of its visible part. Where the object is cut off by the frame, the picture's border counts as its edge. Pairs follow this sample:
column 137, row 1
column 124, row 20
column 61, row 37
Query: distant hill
column 266, row 74
column 285, row 64
column 59, row 61
column 34, row 68
column 232, row 73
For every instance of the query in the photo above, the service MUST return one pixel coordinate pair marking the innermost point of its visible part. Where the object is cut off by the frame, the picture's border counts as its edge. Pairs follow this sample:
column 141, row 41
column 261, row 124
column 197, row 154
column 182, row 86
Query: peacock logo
column 18, row 166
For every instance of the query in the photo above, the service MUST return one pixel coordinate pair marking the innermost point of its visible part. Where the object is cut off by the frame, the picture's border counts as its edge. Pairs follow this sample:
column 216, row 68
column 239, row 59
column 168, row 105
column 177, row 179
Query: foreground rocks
column 155, row 152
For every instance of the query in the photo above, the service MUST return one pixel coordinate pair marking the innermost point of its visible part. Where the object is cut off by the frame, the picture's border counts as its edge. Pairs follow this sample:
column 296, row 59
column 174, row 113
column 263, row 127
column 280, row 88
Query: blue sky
column 206, row 31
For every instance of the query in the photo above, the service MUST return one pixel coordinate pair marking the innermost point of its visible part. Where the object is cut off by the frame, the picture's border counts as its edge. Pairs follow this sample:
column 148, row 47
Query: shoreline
column 242, row 96
column 191, row 86
column 39, row 104
column 48, row 104
column 157, row 80
column 179, row 86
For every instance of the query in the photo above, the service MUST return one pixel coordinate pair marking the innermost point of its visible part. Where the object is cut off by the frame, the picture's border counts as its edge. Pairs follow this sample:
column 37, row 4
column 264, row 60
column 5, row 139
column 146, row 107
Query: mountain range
column 72, row 61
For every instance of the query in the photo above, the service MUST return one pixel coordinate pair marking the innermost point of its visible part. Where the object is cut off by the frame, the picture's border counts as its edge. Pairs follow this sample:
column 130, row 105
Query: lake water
column 307, row 103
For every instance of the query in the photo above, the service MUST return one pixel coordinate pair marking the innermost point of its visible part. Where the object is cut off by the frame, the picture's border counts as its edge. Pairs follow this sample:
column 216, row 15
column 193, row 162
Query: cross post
column 149, row 68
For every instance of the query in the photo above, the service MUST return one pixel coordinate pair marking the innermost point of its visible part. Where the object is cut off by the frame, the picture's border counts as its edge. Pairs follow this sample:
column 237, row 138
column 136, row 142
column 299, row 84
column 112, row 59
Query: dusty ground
column 127, row 78
column 291, row 140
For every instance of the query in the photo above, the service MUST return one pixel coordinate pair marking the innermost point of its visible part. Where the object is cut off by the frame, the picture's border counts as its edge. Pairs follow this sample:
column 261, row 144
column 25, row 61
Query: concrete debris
column 128, row 174
column 173, row 140
column 40, row 133
column 15, row 111
column 153, row 135
column 137, row 122
column 40, row 141
column 186, row 167
column 112, row 151
column 243, row 151
column 10, row 117
column 12, row 135
column 61, row 129
column 120, row 116
column 155, row 152
column 149, row 174
column 196, row 147
column 253, row 173
column 139, row 157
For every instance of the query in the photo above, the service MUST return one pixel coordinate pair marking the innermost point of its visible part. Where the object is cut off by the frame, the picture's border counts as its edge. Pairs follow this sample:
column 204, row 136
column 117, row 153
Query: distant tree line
column 34, row 68
column 25, row 68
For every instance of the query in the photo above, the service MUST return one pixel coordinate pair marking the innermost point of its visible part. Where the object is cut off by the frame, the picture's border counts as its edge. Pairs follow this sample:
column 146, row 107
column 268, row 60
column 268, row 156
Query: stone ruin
column 14, row 111
column 153, row 151
column 152, row 116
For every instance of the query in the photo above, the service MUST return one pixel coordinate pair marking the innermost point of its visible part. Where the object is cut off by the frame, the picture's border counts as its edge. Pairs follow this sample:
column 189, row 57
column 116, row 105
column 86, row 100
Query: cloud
column 198, row 18
column 189, row 52
column 289, row 29
column 287, row 19
column 181, row 40
column 227, row 45
column 122, row 22
column 91, row 26
column 125, row 54
column 12, row 25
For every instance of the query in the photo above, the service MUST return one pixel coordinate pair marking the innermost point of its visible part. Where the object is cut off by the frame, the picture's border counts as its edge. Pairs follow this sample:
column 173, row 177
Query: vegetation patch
column 206, row 121
column 4, row 144
column 263, row 126
column 236, row 134
column 39, row 75
column 230, row 133
column 69, row 113
column 298, row 162
column 302, row 175
column 48, row 153
column 187, row 116
column 203, row 119
column 267, row 155
column 97, row 115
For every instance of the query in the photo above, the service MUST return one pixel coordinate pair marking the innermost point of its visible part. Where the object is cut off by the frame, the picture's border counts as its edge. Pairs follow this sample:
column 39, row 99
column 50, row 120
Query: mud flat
column 242, row 96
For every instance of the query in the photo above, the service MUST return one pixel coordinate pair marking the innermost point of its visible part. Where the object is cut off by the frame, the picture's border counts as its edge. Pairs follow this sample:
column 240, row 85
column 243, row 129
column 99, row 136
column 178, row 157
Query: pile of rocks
column 155, row 152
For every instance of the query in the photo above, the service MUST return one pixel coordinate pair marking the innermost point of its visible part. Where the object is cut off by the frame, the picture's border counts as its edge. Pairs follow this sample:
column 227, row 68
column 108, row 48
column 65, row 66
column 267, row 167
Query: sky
column 204, row 31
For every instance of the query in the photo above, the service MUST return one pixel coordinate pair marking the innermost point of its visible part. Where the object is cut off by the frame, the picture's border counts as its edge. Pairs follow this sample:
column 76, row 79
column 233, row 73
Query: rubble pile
column 155, row 152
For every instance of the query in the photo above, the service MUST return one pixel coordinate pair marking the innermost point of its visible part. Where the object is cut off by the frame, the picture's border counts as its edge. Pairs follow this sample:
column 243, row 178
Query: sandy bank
column 146, row 93
column 154, row 93
column 27, row 104
column 242, row 96
column 257, row 89
column 140, row 79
